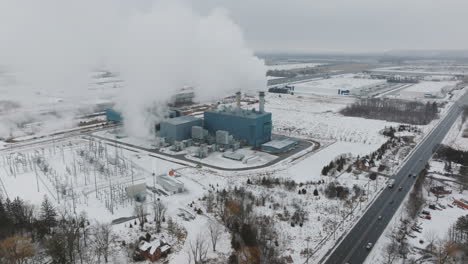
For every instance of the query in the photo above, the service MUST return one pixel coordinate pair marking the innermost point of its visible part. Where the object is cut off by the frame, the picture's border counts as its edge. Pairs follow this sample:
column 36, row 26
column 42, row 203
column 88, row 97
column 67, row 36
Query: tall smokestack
column 261, row 102
column 238, row 98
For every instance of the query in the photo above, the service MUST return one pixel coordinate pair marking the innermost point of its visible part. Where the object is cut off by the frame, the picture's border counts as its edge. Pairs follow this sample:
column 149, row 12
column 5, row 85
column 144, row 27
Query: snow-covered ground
column 455, row 137
column 316, row 117
column 426, row 69
column 273, row 77
column 251, row 158
column 340, row 82
column 446, row 214
column 50, row 109
column 308, row 116
column 433, row 88
column 293, row 66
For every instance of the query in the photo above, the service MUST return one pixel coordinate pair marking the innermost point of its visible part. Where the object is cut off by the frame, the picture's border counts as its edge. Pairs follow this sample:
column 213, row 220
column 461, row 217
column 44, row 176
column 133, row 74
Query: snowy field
column 433, row 88
column 21, row 104
column 331, row 86
column 427, row 69
column 92, row 175
column 316, row 117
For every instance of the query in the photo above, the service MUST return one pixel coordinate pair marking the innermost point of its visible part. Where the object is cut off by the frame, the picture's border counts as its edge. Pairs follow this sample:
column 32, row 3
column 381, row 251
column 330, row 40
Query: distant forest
column 393, row 110
column 292, row 73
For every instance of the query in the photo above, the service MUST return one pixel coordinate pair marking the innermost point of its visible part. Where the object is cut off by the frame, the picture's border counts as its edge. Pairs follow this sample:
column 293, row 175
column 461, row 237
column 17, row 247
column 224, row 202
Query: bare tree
column 444, row 250
column 431, row 237
column 391, row 250
column 159, row 213
column 198, row 250
column 103, row 237
column 16, row 250
column 215, row 230
column 140, row 213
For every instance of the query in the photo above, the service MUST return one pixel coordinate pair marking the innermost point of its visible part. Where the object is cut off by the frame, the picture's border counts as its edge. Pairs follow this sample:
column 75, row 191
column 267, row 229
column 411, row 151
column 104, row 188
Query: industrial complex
column 221, row 129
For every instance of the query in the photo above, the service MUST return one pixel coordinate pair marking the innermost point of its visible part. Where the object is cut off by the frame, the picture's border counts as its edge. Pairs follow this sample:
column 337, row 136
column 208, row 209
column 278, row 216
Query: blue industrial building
column 112, row 115
column 250, row 125
column 179, row 128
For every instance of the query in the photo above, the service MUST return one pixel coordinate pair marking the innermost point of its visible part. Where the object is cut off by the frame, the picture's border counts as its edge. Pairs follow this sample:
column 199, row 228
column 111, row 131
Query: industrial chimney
column 261, row 102
column 238, row 99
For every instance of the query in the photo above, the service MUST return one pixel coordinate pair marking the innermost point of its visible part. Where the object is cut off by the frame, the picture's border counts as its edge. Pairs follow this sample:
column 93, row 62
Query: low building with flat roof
column 170, row 183
column 279, row 145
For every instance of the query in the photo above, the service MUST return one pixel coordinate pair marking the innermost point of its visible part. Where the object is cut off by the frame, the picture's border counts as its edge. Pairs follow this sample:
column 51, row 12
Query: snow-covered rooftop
column 280, row 143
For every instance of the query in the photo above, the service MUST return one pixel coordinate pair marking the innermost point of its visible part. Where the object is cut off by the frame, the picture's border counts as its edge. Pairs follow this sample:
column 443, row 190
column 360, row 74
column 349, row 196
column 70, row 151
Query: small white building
column 170, row 183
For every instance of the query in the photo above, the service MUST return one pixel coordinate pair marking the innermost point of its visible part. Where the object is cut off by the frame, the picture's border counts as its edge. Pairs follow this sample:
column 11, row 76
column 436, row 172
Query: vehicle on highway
column 369, row 246
column 391, row 183
column 400, row 188
column 391, row 202
column 409, row 175
column 380, row 217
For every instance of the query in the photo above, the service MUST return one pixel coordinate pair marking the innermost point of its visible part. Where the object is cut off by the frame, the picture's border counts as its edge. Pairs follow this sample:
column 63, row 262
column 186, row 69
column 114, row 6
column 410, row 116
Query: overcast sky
column 348, row 25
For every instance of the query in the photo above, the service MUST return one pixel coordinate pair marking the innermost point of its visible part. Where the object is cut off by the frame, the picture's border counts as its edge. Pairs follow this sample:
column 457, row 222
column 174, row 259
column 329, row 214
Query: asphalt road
column 369, row 228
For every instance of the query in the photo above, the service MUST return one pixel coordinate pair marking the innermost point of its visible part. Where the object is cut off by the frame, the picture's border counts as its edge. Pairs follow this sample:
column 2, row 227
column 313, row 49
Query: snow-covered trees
column 102, row 238
column 140, row 213
column 216, row 231
column 198, row 250
column 395, row 110
column 159, row 214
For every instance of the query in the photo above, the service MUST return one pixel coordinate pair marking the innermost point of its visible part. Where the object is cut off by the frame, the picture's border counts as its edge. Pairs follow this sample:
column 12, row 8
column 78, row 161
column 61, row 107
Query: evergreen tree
column 5, row 221
column 48, row 215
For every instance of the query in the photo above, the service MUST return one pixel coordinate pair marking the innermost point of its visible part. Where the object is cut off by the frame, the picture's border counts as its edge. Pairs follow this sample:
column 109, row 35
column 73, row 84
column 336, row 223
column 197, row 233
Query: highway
column 369, row 228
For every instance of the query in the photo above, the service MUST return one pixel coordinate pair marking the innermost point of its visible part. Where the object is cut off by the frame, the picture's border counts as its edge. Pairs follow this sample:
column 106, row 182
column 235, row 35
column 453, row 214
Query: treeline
column 393, row 110
column 281, row 73
column 292, row 73
column 45, row 235
column 452, row 155
column 416, row 199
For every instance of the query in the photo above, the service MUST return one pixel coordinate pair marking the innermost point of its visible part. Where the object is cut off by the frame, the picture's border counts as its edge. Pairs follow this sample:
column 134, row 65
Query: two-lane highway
column 369, row 228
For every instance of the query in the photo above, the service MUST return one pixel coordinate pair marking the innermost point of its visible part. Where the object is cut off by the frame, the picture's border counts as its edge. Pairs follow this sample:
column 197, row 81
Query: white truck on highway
column 391, row 183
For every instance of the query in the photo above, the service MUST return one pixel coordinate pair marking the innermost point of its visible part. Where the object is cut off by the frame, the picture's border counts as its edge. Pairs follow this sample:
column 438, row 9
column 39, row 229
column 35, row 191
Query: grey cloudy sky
column 348, row 25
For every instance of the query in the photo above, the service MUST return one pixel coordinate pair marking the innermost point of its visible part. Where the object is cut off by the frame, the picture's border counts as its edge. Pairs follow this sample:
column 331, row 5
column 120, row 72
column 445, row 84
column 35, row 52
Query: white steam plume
column 157, row 47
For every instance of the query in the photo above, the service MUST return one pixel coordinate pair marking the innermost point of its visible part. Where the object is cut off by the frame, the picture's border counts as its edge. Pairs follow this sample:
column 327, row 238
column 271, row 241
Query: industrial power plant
column 224, row 129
